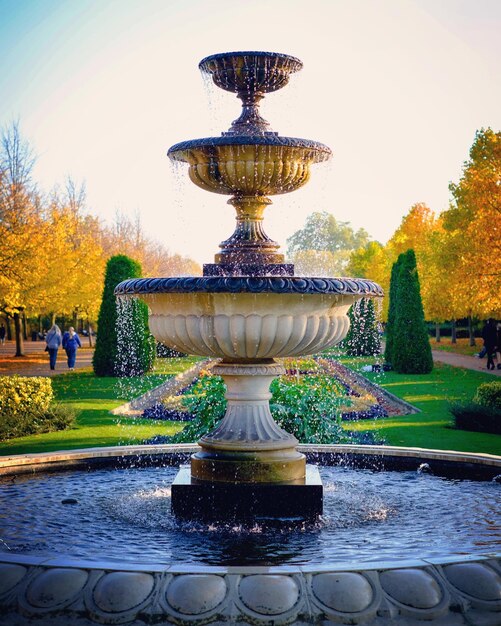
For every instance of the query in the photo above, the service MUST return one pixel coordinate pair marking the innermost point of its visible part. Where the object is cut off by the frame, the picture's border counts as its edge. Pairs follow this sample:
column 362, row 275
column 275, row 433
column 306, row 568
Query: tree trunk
column 19, row 334
column 52, row 319
column 437, row 332
column 39, row 323
column 453, row 332
column 74, row 322
column 25, row 327
column 89, row 329
column 470, row 331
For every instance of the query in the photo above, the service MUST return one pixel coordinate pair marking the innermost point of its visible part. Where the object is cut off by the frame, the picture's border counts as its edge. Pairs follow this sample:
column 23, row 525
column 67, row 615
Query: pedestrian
column 53, row 340
column 2, row 334
column 71, row 342
column 489, row 335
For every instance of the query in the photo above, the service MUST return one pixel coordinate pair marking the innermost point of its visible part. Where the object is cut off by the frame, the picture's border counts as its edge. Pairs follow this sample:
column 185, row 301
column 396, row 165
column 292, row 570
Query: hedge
column 26, row 407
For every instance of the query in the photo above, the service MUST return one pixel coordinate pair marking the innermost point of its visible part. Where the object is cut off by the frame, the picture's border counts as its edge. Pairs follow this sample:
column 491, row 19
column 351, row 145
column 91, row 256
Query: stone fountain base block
column 248, row 269
column 296, row 501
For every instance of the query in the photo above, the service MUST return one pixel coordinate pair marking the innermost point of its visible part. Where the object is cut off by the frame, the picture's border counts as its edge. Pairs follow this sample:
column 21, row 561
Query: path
column 36, row 361
column 462, row 360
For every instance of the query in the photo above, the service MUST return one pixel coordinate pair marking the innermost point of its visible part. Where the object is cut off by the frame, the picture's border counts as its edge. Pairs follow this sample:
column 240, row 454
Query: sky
column 396, row 88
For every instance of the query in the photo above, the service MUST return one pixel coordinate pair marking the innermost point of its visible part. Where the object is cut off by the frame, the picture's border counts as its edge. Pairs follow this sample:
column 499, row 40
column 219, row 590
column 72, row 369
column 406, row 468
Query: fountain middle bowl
column 250, row 318
column 250, row 165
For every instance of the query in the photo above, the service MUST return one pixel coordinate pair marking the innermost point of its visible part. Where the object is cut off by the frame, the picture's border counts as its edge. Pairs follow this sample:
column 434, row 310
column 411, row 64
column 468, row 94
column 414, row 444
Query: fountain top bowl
column 249, row 284
column 250, row 72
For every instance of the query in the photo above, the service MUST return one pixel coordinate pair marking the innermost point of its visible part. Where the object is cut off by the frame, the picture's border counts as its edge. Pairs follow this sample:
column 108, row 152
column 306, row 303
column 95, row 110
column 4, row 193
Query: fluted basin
column 253, row 71
column 249, row 318
column 249, row 166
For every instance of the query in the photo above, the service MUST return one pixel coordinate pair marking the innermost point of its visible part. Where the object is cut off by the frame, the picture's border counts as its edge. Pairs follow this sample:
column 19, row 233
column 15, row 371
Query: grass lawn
column 93, row 398
column 462, row 346
column 431, row 393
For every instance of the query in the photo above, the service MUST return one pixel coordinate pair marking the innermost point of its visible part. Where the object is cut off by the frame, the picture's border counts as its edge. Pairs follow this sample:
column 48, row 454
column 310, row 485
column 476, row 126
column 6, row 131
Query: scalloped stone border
column 452, row 591
column 249, row 284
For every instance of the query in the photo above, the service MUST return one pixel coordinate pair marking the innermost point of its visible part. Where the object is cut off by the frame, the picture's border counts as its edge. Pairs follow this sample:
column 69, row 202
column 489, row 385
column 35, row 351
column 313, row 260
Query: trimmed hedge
column 132, row 352
column 489, row 394
column 26, row 407
column 474, row 416
column 363, row 338
column 411, row 351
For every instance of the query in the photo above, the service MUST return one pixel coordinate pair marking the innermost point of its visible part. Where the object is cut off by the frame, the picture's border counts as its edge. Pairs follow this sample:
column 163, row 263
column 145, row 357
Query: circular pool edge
column 448, row 589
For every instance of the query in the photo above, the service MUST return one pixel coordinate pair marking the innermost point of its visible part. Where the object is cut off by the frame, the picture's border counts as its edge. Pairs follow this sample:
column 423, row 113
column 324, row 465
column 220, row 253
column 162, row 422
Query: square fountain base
column 194, row 499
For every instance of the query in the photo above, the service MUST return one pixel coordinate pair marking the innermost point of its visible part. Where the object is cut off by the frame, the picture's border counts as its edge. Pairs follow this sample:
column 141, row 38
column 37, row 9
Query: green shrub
column 309, row 412
column 363, row 337
column 26, row 407
column 477, row 417
column 21, row 395
column 131, row 351
column 390, row 324
column 411, row 351
column 489, row 394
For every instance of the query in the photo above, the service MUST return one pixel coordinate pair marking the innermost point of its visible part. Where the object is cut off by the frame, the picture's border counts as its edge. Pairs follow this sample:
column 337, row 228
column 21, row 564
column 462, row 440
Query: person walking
column 489, row 335
column 2, row 334
column 53, row 340
column 71, row 343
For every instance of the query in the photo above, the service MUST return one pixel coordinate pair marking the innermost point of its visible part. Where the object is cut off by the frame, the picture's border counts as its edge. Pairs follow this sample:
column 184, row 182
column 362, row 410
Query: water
column 369, row 516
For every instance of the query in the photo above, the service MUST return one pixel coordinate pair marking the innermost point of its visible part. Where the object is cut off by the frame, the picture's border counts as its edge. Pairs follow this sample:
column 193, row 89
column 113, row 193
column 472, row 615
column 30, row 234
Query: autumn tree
column 473, row 225
column 20, row 227
column 126, row 236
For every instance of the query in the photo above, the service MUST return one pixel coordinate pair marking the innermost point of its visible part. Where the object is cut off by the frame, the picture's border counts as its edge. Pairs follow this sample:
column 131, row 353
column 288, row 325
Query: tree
column 126, row 348
column 410, row 350
column 20, row 227
column 473, row 224
column 324, row 245
column 392, row 307
column 363, row 338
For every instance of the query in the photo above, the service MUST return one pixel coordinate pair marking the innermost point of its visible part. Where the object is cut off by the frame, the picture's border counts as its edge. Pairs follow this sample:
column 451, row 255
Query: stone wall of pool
column 446, row 591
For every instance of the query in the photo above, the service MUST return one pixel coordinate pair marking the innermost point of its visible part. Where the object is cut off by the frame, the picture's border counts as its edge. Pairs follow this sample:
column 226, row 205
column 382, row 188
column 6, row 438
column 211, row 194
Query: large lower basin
column 450, row 589
column 249, row 318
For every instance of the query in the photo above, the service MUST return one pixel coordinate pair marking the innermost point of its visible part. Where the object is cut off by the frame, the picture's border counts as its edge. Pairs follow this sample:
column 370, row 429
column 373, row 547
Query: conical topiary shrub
column 126, row 348
column 411, row 351
column 363, row 338
column 390, row 324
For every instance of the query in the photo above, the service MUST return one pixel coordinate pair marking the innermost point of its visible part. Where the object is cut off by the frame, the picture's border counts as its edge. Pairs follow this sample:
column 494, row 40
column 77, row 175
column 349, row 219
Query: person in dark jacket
column 53, row 341
column 71, row 343
column 489, row 335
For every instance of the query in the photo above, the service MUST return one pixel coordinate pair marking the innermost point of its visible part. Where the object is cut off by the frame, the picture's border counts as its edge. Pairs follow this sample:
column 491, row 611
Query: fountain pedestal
column 248, row 467
column 295, row 501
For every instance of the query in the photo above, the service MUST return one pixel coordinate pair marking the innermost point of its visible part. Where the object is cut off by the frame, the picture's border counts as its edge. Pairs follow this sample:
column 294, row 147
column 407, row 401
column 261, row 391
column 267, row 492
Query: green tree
column 363, row 338
column 410, row 351
column 126, row 348
column 324, row 245
column 390, row 324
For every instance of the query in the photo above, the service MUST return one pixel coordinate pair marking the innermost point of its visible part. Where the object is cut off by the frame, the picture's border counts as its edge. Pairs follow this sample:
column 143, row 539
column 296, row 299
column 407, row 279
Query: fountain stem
column 249, row 243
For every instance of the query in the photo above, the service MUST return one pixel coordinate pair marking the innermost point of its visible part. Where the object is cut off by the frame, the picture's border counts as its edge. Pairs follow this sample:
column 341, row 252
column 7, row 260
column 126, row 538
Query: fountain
column 247, row 310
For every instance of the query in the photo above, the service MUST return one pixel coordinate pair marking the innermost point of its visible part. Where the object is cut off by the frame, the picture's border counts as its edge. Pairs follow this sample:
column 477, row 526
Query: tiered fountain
column 116, row 556
column 249, row 308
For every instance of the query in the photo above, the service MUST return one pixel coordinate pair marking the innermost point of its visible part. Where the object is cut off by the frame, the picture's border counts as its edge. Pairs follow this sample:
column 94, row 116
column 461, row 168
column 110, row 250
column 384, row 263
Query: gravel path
column 36, row 361
column 461, row 360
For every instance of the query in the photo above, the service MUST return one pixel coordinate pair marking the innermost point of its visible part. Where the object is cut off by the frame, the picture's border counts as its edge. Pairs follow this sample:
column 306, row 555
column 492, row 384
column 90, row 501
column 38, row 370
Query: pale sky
column 396, row 88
